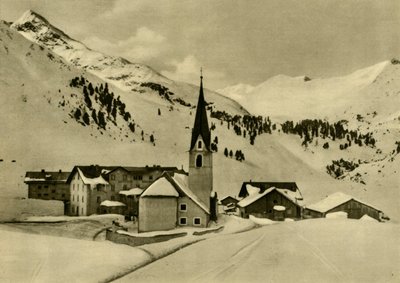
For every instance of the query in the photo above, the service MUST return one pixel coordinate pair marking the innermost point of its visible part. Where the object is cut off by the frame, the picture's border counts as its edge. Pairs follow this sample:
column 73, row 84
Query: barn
column 339, row 201
column 273, row 200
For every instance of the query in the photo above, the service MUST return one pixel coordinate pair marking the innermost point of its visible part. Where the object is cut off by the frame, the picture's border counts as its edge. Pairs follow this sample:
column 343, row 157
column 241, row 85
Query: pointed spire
column 201, row 123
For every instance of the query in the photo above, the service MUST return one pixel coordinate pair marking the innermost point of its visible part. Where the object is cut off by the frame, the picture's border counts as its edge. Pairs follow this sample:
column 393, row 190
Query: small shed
column 339, row 201
column 112, row 207
column 228, row 201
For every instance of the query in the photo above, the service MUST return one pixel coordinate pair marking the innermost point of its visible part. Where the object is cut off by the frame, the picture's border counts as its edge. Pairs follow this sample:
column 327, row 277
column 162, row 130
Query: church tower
column 200, row 154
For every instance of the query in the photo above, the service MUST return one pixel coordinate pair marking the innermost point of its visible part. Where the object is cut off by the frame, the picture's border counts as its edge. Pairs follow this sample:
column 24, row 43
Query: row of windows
column 196, row 221
column 129, row 177
column 77, row 198
column 45, row 187
column 46, row 195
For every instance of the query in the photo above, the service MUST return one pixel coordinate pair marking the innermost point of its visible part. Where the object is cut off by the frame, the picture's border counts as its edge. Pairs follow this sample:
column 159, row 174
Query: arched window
column 199, row 160
column 199, row 145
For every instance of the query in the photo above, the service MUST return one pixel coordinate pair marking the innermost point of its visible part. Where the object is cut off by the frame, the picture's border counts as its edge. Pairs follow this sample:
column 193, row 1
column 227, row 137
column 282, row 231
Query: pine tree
column 86, row 118
column 101, row 118
column 77, row 114
column 132, row 127
column 230, row 153
column 226, row 152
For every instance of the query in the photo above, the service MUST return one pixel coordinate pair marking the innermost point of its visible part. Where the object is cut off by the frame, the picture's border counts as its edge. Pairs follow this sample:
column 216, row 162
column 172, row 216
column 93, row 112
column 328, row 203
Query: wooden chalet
column 273, row 200
column 339, row 201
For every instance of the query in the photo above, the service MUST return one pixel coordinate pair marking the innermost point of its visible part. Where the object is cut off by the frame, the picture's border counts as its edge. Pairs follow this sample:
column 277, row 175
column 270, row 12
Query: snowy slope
column 319, row 250
column 375, row 88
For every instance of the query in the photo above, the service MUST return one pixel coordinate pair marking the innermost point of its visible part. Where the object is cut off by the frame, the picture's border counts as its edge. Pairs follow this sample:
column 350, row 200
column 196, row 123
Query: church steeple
column 201, row 123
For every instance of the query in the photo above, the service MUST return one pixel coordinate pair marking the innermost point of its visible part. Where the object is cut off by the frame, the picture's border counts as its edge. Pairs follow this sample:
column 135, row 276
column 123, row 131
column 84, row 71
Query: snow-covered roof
column 92, row 181
column 289, row 194
column 182, row 181
column 253, row 197
column 251, row 190
column 44, row 176
column 333, row 201
column 131, row 192
column 110, row 203
column 161, row 187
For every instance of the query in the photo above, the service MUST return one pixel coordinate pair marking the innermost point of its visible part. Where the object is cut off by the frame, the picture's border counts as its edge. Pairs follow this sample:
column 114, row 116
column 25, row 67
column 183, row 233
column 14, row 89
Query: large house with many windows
column 91, row 185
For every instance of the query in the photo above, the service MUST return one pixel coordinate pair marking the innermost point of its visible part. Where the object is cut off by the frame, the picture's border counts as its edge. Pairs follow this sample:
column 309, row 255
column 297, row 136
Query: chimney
column 59, row 171
column 43, row 171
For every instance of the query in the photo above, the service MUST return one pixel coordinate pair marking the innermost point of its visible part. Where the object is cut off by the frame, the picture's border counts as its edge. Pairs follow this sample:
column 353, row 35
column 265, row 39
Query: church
column 178, row 199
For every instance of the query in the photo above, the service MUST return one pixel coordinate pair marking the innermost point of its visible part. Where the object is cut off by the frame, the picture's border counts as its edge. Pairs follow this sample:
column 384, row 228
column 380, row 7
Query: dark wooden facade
column 263, row 207
column 229, row 200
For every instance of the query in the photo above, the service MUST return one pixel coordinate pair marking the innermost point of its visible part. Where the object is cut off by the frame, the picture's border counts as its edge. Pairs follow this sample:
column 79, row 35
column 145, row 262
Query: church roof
column 201, row 123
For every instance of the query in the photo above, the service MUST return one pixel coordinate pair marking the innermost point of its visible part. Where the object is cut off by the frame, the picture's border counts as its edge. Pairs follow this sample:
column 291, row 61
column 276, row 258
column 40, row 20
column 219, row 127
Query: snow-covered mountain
column 126, row 74
column 118, row 71
column 372, row 89
column 38, row 130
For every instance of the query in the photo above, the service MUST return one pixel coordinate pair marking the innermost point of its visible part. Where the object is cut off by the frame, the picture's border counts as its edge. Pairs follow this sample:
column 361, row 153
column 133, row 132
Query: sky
column 235, row 41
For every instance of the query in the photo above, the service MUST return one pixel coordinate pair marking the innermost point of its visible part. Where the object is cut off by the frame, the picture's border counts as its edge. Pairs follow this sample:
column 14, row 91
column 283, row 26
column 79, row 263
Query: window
column 53, row 198
column 83, row 198
column 182, row 207
column 275, row 201
column 73, row 198
column 99, row 199
column 199, row 145
column 197, row 221
column 112, row 197
column 77, row 198
column 63, row 195
column 113, row 177
column 46, row 195
column 112, row 187
column 53, row 191
column 124, row 177
column 39, row 187
column 199, row 160
column 182, row 221
column 46, row 187
column 140, row 177
column 39, row 195
column 125, row 187
column 151, row 177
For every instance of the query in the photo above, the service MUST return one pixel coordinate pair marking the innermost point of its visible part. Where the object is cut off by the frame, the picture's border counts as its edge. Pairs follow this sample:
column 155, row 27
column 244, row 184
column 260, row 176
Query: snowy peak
column 36, row 28
column 116, row 70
